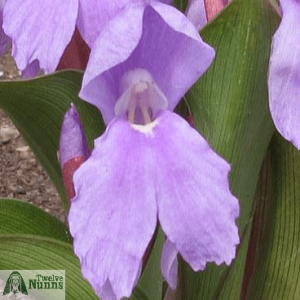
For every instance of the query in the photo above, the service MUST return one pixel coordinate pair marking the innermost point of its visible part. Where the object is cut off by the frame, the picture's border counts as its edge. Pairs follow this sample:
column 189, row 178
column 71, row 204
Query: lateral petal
column 196, row 209
column 284, row 73
column 114, row 213
column 169, row 264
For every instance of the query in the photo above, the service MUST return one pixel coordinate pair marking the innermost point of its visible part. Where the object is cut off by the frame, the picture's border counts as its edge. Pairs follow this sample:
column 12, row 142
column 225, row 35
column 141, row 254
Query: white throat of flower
column 140, row 98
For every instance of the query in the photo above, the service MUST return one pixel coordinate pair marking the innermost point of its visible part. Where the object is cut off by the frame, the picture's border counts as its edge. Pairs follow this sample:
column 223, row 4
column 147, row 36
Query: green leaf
column 37, row 108
column 24, row 220
column 151, row 280
column 18, row 217
column 230, row 109
column 276, row 230
column 32, row 252
column 181, row 4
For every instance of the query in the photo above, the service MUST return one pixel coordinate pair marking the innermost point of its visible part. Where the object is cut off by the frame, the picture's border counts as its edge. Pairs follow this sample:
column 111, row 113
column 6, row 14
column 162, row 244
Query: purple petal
column 114, row 213
column 169, row 264
column 132, row 170
column 156, row 37
column 72, row 139
column 31, row 70
column 196, row 13
column 107, row 292
column 94, row 14
column 73, row 149
column 39, row 30
column 4, row 39
column 196, row 209
column 284, row 73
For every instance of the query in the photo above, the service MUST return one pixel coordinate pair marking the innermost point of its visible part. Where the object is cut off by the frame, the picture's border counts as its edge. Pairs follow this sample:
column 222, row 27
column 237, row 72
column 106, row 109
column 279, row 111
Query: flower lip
column 134, row 175
column 141, row 98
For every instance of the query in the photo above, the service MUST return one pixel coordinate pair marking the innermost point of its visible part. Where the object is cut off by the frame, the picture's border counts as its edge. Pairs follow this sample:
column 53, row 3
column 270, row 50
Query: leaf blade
column 230, row 108
column 18, row 217
column 277, row 223
column 37, row 107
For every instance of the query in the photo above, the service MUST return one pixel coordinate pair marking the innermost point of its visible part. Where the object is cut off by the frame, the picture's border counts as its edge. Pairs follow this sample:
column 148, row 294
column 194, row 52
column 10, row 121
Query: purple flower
column 50, row 26
column 284, row 73
column 149, row 166
column 125, row 45
column 41, row 30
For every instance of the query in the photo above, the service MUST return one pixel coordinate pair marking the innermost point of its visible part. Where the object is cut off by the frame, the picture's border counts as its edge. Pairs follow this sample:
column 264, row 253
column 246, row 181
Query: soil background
column 21, row 175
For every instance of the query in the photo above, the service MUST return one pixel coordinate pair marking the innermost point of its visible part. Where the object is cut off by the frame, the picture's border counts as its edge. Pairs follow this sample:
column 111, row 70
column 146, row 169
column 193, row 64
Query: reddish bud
column 73, row 149
column 68, row 170
column 213, row 7
column 76, row 54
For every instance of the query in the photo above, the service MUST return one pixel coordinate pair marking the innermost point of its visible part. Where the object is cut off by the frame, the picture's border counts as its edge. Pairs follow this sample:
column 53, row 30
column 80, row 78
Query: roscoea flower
column 149, row 166
column 41, row 30
column 284, row 73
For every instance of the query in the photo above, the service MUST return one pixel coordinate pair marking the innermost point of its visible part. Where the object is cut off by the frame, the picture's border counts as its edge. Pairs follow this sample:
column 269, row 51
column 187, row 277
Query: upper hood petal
column 153, row 36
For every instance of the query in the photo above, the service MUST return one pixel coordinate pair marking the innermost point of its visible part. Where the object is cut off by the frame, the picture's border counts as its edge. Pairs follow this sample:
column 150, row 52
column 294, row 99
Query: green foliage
column 181, row 4
column 37, row 108
column 230, row 109
column 33, row 252
column 275, row 234
column 18, row 217
column 31, row 239
column 229, row 105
